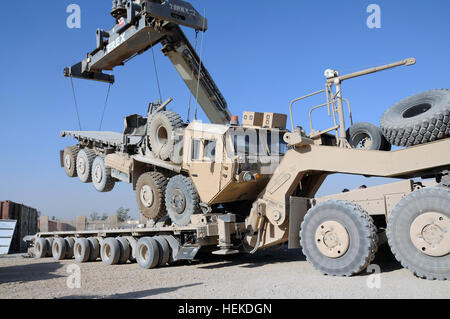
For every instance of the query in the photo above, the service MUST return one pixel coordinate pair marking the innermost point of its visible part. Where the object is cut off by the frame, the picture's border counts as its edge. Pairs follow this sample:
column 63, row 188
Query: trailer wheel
column 70, row 242
column 41, row 247
column 418, row 119
column 150, row 191
column 85, row 159
column 338, row 238
column 70, row 160
column 124, row 250
column 418, row 233
column 110, row 251
column 182, row 200
column 49, row 246
column 147, row 253
column 94, row 248
column 164, row 250
column 59, row 248
column 81, row 250
column 366, row 136
column 101, row 176
column 161, row 133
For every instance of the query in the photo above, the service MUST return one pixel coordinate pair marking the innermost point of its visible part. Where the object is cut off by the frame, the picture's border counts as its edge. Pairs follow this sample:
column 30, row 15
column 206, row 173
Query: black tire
column 435, row 199
column 70, row 160
column 182, row 200
column 418, row 119
column 366, row 136
column 361, row 232
column 164, row 250
column 81, row 250
column 125, row 250
column 94, row 248
column 150, row 192
column 85, row 158
column 49, row 246
column 110, row 251
column 70, row 242
column 147, row 253
column 101, row 176
column 161, row 133
column 59, row 249
column 41, row 247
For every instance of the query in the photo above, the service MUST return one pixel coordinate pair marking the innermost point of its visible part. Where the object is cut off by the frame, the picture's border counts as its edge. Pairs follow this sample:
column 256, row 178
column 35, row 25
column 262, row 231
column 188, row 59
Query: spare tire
column 162, row 132
column 418, row 119
column 366, row 136
column 182, row 200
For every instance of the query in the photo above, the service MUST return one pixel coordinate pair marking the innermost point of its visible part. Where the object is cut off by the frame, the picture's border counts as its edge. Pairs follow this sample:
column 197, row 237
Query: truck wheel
column 70, row 242
column 147, row 253
column 182, row 200
column 49, row 246
column 101, row 176
column 110, row 251
column 70, row 160
column 94, row 248
column 418, row 233
column 366, row 136
column 81, row 250
column 164, row 250
column 418, row 119
column 162, row 132
column 41, row 247
column 150, row 191
column 85, row 159
column 338, row 238
column 59, row 249
column 124, row 250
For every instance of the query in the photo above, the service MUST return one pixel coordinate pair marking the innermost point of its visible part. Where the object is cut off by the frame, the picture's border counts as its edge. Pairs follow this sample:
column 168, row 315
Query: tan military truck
column 243, row 188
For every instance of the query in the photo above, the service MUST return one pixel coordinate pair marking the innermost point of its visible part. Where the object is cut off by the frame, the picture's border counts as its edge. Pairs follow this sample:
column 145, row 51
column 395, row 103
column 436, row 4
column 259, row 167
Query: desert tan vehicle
column 243, row 188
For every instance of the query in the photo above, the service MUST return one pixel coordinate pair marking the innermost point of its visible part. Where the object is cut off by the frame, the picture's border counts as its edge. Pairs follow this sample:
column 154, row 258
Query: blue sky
column 262, row 54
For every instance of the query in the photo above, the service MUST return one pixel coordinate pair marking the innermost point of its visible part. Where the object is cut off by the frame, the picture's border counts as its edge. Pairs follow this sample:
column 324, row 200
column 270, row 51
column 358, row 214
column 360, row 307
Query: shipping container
column 27, row 223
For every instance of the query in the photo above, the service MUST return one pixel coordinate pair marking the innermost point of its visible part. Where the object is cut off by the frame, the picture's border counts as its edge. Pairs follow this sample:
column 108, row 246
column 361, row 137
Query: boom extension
column 140, row 25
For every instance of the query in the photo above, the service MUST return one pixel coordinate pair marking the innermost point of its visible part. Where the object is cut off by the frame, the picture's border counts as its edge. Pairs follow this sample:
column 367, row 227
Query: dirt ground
column 269, row 274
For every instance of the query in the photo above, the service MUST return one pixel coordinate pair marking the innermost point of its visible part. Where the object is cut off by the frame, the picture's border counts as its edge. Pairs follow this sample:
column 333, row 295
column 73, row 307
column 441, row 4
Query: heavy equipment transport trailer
column 150, row 246
column 418, row 219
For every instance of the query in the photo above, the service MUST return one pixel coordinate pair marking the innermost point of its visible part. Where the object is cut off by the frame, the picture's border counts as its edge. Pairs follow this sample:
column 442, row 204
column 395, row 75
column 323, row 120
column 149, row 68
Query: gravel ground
column 269, row 274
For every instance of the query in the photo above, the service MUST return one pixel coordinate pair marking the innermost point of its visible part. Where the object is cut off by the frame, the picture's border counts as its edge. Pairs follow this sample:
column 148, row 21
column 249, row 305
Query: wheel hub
column 364, row 142
column 98, row 174
column 81, row 165
column 332, row 239
column 147, row 196
column 178, row 201
column 430, row 234
column 68, row 162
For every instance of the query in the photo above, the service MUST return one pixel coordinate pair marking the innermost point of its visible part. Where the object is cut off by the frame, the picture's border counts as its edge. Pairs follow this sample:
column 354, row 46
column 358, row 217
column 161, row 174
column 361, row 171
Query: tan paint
column 430, row 234
column 332, row 239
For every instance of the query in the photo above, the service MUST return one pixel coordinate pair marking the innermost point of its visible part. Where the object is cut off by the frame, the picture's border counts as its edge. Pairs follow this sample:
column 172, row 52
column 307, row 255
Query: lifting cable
column 154, row 65
column 200, row 67
column 76, row 104
column 192, row 76
column 104, row 108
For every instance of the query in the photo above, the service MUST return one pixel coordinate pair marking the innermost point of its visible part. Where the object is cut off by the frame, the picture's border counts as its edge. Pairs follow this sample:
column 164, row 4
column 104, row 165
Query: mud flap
column 187, row 252
column 298, row 207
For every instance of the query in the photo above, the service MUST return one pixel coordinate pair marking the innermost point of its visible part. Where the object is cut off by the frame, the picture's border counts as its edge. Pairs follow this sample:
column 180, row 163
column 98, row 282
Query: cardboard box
column 252, row 119
column 275, row 120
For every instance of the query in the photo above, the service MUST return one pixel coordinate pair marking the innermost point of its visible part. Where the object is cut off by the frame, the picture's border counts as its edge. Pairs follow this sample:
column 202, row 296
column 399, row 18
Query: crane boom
column 140, row 25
